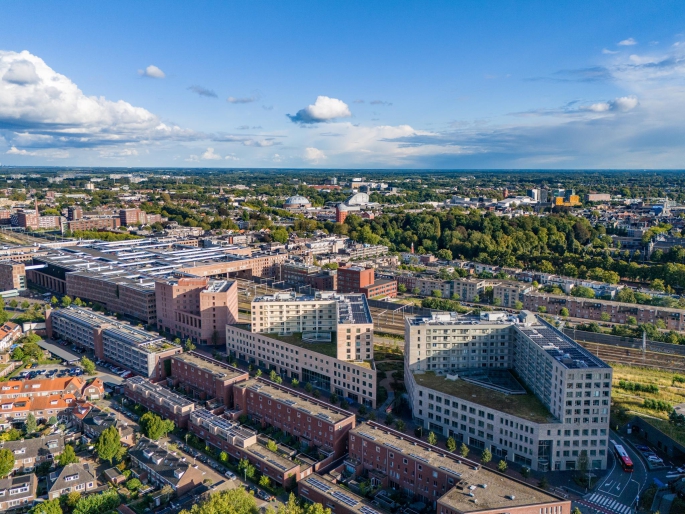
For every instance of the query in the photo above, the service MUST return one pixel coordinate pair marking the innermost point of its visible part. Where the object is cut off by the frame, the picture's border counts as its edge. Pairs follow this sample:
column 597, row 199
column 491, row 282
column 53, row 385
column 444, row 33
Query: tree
column 231, row 501
column 68, row 456
column 582, row 292
column 497, row 302
column 66, row 301
column 258, row 374
column 563, row 311
column 248, row 469
column 544, row 483
column 223, row 457
column 401, row 288
column 78, row 302
column 6, row 462
column 389, row 419
column 88, row 365
column 30, row 425
column 631, row 320
column 108, row 445
column 502, row 466
column 363, row 410
column 25, row 305
column 464, row 450
column 486, row 456
column 54, row 301
column 271, row 445
column 576, row 510
column 415, row 290
column 316, row 508
column 658, row 285
column 133, row 484
column 432, row 438
column 189, row 345
column 308, row 387
column 436, row 293
column 14, row 303
column 400, row 425
column 518, row 305
column 264, row 481
column 296, row 383
column 451, row 444
column 72, row 499
column 52, row 421
column 273, row 375
column 48, row 507
column 605, row 316
column 154, row 427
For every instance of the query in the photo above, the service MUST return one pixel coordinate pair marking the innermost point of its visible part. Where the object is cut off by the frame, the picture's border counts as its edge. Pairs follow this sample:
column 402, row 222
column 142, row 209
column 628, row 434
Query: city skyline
column 301, row 85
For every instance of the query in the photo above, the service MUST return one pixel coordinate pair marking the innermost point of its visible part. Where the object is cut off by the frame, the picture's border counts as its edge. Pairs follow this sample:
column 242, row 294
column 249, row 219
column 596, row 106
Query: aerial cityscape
column 302, row 258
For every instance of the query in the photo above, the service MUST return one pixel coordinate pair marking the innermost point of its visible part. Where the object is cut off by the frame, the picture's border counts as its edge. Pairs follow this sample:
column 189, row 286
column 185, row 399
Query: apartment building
column 99, row 223
column 155, row 464
column 311, row 421
column 508, row 292
column 448, row 483
column 318, row 489
column 78, row 478
column 159, row 400
column 196, row 308
column 242, row 443
column 593, row 309
column 300, row 274
column 17, row 492
column 111, row 340
column 12, row 275
column 205, row 378
column 548, row 416
column 468, row 288
column 74, row 213
column 137, row 217
column 9, row 333
column 29, row 453
column 351, row 279
column 32, row 220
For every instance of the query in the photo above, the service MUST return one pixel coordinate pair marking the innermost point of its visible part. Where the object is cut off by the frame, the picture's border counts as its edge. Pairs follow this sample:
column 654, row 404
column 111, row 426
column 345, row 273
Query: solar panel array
column 422, row 459
column 321, row 486
column 367, row 510
column 393, row 447
column 345, row 499
column 368, row 436
column 450, row 471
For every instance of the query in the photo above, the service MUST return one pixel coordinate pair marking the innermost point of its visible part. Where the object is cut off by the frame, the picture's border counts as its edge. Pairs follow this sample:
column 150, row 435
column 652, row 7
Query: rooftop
column 330, row 349
column 296, row 400
column 469, row 476
column 219, row 369
column 167, row 397
column 271, row 458
column 337, row 494
column 352, row 308
column 525, row 406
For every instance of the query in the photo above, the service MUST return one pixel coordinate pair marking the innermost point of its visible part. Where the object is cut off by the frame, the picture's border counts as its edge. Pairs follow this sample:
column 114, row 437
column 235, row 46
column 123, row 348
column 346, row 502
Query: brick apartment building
column 111, row 340
column 159, row 400
column 394, row 460
column 34, row 221
column 508, row 292
column 592, row 309
column 355, row 279
column 197, row 308
column 204, row 377
column 311, row 421
column 12, row 275
column 108, row 223
column 74, row 213
column 299, row 274
column 242, row 443
column 137, row 217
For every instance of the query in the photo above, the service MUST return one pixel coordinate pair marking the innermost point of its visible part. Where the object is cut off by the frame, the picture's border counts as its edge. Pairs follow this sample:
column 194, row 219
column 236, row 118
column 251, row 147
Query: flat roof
column 168, row 397
column 525, row 406
column 466, row 473
column 453, row 318
column 271, row 458
column 560, row 347
column 352, row 308
column 218, row 369
column 296, row 400
column 336, row 494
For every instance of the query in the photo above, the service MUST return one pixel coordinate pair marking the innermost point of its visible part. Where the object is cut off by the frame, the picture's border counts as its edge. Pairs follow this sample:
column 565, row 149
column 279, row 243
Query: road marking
column 606, row 503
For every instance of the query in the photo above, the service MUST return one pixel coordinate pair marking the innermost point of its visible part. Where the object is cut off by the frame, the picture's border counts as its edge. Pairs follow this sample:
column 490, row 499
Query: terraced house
column 160, row 400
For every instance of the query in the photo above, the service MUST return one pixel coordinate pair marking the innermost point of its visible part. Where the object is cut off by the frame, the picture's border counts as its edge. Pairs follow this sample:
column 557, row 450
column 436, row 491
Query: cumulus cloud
column 21, row 72
column 16, row 151
column 627, row 42
column 202, row 91
column 324, row 109
column 261, row 143
column 209, row 155
column 152, row 72
column 314, row 155
column 40, row 108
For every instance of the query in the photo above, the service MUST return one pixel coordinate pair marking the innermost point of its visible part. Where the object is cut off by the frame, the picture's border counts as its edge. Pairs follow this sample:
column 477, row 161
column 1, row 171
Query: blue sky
column 343, row 84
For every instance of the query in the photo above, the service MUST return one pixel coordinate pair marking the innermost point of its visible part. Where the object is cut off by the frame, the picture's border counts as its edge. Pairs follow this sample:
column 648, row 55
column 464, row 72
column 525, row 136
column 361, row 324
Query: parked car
column 230, row 475
column 265, row 496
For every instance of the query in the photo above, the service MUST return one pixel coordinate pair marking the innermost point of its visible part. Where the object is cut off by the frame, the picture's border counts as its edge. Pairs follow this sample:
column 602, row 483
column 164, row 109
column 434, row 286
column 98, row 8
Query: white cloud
column 324, row 109
column 625, row 103
column 256, row 95
column 606, row 51
column 153, row 72
column 314, row 155
column 231, row 157
column 277, row 158
column 627, row 42
column 599, row 107
column 209, row 155
column 40, row 107
column 16, row 151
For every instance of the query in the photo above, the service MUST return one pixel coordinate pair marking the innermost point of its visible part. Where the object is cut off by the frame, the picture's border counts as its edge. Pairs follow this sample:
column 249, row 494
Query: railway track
column 633, row 357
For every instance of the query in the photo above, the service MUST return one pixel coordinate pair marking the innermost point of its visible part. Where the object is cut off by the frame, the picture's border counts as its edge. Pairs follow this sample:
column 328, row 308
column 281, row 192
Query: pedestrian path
column 605, row 504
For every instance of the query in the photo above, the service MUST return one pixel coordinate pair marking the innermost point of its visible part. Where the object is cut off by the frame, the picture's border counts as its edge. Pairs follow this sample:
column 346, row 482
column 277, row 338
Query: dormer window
column 71, row 478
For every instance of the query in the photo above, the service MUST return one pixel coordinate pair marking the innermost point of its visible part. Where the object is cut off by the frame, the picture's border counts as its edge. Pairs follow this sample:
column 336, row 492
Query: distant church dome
column 297, row 202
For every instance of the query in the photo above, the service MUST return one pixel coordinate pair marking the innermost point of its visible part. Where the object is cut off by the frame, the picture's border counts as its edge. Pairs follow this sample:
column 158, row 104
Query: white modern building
column 516, row 385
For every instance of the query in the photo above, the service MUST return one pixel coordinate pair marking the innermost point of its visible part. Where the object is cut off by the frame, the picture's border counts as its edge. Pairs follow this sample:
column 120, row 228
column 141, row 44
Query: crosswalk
column 606, row 504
